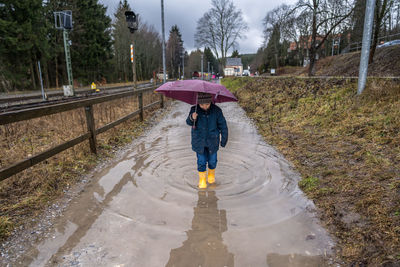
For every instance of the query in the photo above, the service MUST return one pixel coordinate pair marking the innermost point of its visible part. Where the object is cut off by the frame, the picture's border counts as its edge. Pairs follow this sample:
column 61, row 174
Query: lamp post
column 132, row 21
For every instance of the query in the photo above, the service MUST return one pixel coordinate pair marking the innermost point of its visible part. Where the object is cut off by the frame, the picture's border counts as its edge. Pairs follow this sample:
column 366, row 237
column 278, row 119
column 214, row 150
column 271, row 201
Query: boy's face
column 205, row 106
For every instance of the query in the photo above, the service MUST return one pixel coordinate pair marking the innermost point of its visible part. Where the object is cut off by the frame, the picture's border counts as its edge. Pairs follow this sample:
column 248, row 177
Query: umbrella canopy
column 186, row 91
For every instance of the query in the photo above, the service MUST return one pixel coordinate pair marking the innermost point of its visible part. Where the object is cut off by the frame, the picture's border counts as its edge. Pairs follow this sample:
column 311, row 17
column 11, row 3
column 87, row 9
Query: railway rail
column 14, row 103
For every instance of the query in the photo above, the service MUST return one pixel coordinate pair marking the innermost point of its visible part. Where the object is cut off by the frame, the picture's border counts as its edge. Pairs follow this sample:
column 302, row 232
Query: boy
column 208, row 125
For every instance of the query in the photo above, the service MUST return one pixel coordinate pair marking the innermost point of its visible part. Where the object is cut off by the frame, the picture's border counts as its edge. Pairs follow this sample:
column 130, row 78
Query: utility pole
column 202, row 66
column 366, row 42
column 68, row 60
column 163, row 40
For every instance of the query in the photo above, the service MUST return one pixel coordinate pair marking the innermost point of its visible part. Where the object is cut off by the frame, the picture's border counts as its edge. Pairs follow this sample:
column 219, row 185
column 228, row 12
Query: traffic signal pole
column 68, row 59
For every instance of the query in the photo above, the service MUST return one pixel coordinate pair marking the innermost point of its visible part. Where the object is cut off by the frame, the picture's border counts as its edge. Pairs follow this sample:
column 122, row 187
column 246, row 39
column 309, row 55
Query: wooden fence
column 87, row 104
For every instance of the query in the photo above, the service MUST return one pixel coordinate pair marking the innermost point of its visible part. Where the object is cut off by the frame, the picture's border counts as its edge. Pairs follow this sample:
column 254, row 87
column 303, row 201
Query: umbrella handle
column 194, row 121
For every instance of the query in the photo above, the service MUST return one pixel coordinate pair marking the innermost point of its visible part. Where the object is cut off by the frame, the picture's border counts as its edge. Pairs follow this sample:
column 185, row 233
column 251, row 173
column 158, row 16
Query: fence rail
column 21, row 115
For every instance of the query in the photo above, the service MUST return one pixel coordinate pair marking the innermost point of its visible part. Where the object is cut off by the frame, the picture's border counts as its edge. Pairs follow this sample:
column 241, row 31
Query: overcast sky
column 186, row 13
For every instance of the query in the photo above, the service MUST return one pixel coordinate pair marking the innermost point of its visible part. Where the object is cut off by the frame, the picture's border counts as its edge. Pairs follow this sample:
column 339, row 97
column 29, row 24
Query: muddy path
column 146, row 210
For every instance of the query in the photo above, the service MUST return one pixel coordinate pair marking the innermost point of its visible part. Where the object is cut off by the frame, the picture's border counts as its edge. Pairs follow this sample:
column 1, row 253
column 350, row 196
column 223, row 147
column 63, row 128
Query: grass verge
column 347, row 148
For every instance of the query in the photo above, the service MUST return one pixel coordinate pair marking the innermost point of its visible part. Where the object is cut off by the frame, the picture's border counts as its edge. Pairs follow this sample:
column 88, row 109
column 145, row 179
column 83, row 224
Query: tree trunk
column 276, row 54
column 311, row 70
column 373, row 46
column 379, row 14
column 376, row 32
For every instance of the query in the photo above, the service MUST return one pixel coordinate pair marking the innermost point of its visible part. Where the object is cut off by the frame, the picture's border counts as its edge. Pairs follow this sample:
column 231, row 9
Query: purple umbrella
column 186, row 91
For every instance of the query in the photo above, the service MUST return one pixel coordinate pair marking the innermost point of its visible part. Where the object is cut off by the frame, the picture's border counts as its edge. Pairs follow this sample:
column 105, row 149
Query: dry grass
column 27, row 193
column 347, row 148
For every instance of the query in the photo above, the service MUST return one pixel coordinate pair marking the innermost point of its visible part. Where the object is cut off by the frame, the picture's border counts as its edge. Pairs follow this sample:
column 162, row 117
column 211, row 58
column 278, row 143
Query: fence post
column 91, row 128
column 141, row 106
column 162, row 100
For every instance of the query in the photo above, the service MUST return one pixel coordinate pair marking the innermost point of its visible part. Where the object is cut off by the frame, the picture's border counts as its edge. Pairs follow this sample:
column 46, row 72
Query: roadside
column 347, row 149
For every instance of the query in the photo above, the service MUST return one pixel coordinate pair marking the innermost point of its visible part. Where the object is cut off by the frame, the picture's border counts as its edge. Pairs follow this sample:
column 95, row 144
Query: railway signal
column 63, row 21
column 133, row 25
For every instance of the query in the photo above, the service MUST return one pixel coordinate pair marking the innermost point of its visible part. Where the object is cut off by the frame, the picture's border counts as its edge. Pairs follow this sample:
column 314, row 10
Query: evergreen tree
column 235, row 53
column 91, row 41
column 23, row 32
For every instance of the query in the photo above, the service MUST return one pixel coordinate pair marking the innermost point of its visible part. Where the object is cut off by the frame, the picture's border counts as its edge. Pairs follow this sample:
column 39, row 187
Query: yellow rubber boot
column 202, row 180
column 211, row 176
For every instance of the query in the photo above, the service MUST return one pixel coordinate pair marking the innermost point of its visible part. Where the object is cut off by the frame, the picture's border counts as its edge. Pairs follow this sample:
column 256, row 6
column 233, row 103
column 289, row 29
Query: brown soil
column 346, row 147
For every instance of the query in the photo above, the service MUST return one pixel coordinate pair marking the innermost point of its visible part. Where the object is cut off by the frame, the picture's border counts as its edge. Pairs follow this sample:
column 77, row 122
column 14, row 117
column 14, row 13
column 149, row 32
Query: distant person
column 209, row 130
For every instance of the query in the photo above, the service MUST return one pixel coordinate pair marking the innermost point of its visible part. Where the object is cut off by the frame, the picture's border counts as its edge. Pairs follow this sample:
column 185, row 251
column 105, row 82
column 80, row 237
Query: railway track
column 29, row 101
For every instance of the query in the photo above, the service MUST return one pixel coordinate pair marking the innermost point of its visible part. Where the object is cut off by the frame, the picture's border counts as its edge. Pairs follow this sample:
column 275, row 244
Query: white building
column 233, row 67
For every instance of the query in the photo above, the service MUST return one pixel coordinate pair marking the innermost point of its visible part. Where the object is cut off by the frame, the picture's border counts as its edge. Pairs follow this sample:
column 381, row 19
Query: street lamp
column 133, row 23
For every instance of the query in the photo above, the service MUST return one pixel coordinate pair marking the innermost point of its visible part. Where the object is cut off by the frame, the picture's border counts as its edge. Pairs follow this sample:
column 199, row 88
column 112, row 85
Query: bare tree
column 220, row 28
column 327, row 15
column 382, row 9
column 277, row 23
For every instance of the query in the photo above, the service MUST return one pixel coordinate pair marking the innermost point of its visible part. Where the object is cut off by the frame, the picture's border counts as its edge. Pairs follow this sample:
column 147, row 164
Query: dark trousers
column 206, row 157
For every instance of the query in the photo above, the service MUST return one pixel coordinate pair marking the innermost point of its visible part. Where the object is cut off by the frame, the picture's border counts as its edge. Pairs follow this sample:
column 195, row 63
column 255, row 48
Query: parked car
column 390, row 43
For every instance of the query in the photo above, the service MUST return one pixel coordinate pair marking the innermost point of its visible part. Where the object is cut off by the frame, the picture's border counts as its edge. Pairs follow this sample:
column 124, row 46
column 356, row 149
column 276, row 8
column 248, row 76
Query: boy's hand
column 194, row 116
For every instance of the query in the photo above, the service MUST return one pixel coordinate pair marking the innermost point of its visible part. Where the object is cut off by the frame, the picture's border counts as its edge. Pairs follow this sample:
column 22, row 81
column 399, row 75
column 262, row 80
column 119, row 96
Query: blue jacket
column 210, row 125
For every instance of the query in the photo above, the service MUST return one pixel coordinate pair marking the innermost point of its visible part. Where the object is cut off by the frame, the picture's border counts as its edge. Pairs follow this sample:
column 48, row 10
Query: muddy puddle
column 145, row 210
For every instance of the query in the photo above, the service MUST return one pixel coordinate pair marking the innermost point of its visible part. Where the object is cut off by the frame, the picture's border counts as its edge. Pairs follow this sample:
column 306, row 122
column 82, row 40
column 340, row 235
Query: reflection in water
column 294, row 260
column 204, row 246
